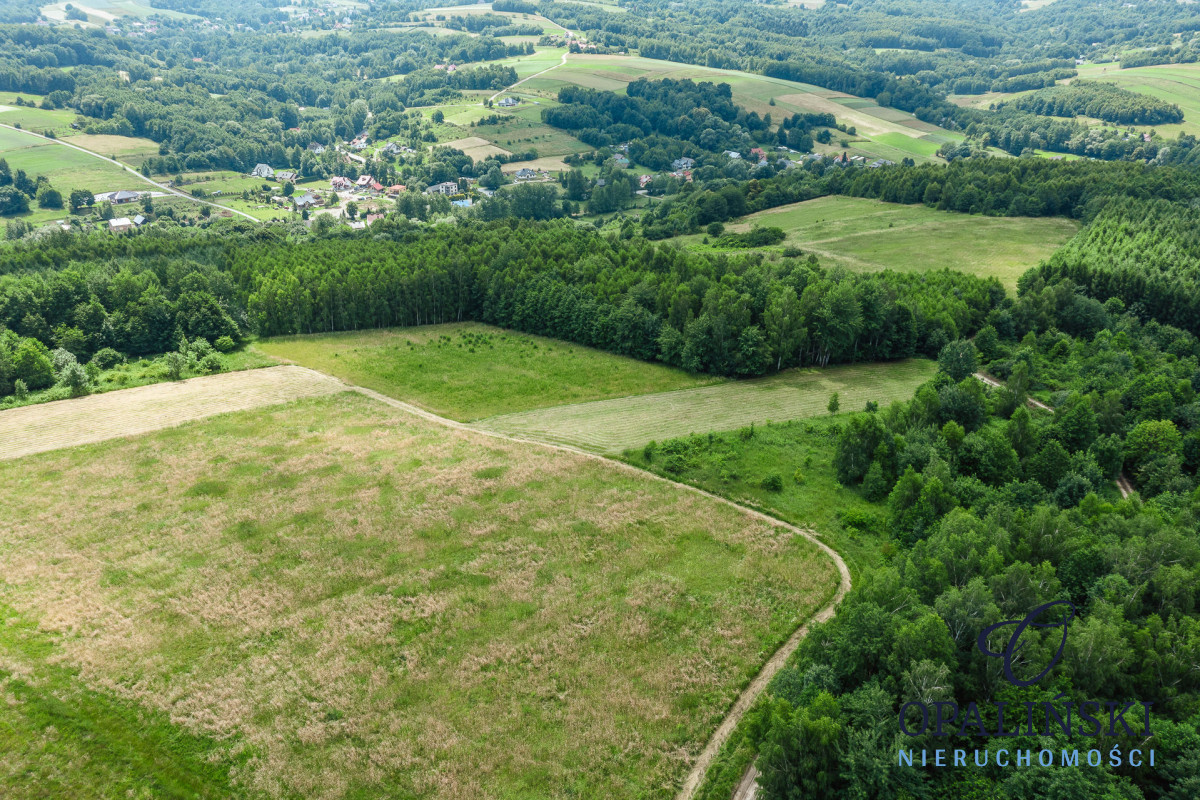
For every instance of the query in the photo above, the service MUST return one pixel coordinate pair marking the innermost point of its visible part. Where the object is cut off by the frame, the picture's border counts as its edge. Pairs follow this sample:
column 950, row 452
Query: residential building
column 508, row 102
column 287, row 176
column 363, row 181
column 340, row 184
column 119, row 224
column 446, row 187
column 683, row 163
column 525, row 174
column 263, row 171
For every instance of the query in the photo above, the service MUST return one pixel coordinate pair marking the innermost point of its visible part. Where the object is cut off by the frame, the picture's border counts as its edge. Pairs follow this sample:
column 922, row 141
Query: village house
column 375, row 186
column 120, row 224
column 732, row 154
column 262, row 171
column 644, row 181
column 621, row 161
column 525, row 174
column 683, row 163
column 363, row 181
column 396, row 190
column 372, row 217
column 340, row 184
column 508, row 102
column 287, row 176
column 316, row 148
column 390, row 149
column 883, row 162
column 139, row 220
column 758, row 153
column 446, row 187
column 307, row 200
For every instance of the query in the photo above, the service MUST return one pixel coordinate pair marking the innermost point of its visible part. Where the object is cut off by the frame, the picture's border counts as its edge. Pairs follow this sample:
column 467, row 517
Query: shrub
column 20, row 390
column 648, row 450
column 107, row 358
column 174, row 363
column 61, row 359
column 211, row 363
column 75, row 378
column 224, row 344
column 773, row 483
column 798, row 477
column 199, row 348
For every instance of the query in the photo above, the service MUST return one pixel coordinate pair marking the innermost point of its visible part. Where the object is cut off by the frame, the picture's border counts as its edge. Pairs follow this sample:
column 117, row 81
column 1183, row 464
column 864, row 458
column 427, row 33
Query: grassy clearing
column 869, row 235
column 1174, row 83
column 611, row 426
column 59, row 738
column 66, row 168
column 755, row 92
column 467, row 371
column 133, row 149
column 373, row 605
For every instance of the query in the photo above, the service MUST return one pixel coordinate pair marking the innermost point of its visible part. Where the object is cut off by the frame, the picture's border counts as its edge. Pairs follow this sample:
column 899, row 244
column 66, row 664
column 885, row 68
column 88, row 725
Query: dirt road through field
column 127, row 412
column 67, row 423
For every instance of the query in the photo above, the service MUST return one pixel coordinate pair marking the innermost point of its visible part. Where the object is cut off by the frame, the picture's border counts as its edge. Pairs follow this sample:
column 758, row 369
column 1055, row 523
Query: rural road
column 560, row 63
column 128, row 412
column 131, row 171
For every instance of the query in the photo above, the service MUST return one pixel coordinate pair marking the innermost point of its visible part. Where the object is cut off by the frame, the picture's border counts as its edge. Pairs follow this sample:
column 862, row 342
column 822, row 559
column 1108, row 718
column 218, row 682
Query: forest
column 1100, row 100
column 997, row 507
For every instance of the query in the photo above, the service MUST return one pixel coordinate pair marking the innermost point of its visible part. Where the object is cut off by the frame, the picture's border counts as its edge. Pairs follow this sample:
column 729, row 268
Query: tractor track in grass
column 128, row 412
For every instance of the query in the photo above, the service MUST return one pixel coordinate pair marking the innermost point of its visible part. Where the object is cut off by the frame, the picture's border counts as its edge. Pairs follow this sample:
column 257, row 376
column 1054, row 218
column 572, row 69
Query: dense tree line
column 1144, row 252
column 991, row 509
column 1100, row 100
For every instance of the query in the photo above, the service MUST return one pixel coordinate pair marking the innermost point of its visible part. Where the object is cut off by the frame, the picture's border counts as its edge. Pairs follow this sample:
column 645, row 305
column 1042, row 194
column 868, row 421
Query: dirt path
column 1125, row 485
column 990, row 381
column 776, row 662
column 131, row 171
column 127, row 412
column 562, row 62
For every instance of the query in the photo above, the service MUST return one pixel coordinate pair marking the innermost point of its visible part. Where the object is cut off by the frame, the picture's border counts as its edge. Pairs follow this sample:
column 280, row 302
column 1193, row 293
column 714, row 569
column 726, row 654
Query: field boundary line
column 131, row 171
column 772, row 665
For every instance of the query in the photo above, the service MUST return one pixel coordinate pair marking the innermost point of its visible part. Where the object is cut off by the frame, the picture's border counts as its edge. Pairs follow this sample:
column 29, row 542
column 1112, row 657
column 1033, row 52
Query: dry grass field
column 339, row 599
column 129, row 412
column 611, row 426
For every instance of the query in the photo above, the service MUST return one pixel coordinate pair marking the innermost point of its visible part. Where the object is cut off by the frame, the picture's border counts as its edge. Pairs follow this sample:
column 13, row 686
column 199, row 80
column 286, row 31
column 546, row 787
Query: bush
column 199, row 348
column 715, row 229
column 798, row 477
column 20, row 390
column 773, row 483
column 75, row 378
column 224, row 344
column 107, row 358
column 211, row 363
column 61, row 359
column 174, row 363
column 648, row 450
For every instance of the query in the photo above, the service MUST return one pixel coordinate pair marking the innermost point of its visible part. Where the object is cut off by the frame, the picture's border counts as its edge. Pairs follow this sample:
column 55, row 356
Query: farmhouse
column 883, row 162
column 391, row 149
column 525, row 174
column 286, row 176
column 316, row 148
column 262, row 171
column 118, row 198
column 683, row 163
column 120, row 224
column 508, row 102
column 446, row 187
column 396, row 189
column 307, row 200
column 363, row 181
column 340, row 184
column 621, row 161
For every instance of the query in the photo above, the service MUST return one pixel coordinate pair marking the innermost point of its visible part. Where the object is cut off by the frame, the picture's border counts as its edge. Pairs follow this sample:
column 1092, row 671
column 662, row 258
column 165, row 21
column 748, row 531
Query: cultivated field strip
column 610, row 426
column 128, row 412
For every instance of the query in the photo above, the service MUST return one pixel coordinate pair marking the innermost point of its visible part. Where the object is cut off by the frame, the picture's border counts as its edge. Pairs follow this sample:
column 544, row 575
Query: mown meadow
column 335, row 598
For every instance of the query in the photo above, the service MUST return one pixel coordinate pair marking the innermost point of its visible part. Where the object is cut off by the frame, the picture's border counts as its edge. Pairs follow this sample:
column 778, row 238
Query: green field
column 1174, row 83
column 870, row 235
column 469, row 371
column 886, row 132
column 334, row 598
column 35, row 119
column 611, row 426
column 67, row 169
